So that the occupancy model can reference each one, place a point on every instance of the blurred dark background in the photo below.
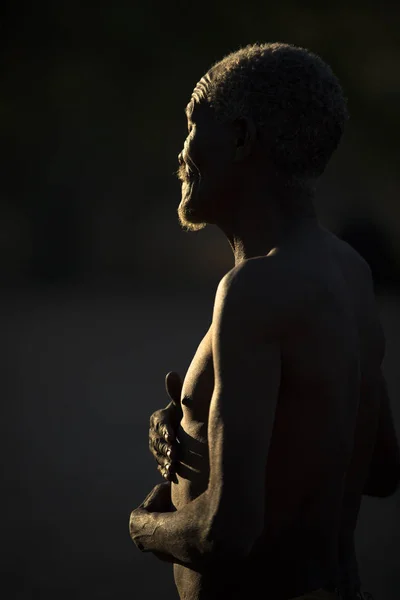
(101, 292)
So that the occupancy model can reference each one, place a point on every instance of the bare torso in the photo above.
(322, 371)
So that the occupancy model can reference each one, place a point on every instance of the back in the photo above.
(372, 347)
(325, 423)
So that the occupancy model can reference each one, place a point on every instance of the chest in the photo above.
(198, 387)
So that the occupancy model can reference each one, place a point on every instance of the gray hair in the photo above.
(293, 97)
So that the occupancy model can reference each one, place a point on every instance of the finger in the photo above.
(164, 459)
(173, 385)
(167, 464)
(172, 452)
(154, 420)
(158, 445)
(165, 472)
(161, 424)
(162, 462)
(168, 432)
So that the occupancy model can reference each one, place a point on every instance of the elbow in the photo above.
(382, 492)
(231, 543)
(383, 487)
(229, 550)
(389, 489)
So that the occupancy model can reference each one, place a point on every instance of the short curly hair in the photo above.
(294, 98)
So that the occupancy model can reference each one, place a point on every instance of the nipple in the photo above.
(185, 401)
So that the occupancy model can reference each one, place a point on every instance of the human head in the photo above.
(275, 108)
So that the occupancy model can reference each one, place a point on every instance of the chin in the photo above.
(190, 217)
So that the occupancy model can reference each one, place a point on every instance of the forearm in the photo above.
(182, 535)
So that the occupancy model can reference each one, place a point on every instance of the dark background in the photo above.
(101, 292)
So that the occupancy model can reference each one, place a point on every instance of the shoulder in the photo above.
(256, 291)
(350, 253)
(264, 278)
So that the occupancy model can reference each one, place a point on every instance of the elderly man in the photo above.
(278, 414)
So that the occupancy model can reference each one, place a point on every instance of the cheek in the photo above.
(215, 186)
(211, 164)
(202, 152)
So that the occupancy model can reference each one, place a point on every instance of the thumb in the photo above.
(173, 385)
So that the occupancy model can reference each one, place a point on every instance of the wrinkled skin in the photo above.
(158, 500)
(217, 166)
(164, 447)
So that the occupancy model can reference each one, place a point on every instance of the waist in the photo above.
(255, 577)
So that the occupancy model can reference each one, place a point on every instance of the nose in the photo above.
(180, 159)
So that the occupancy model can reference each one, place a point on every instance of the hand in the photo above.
(164, 424)
(141, 528)
(159, 499)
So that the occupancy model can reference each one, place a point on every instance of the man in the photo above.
(279, 410)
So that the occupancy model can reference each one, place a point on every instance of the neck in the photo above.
(257, 231)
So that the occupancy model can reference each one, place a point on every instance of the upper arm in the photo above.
(247, 370)
(384, 469)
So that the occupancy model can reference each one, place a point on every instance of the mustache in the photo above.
(186, 170)
(181, 173)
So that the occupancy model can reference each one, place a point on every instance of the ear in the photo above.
(245, 137)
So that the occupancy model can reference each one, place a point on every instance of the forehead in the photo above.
(198, 106)
(189, 109)
(200, 112)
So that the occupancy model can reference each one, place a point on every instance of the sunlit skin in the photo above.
(280, 406)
